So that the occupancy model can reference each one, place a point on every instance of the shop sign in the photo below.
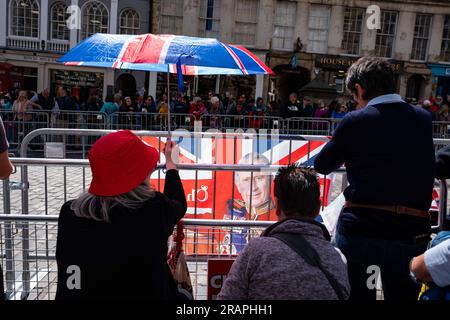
(40, 59)
(333, 62)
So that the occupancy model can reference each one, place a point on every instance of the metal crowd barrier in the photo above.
(441, 129)
(42, 192)
(19, 125)
(33, 276)
(26, 245)
(28, 250)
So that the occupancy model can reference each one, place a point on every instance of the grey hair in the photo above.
(98, 208)
(252, 158)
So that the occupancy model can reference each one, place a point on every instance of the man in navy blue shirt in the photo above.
(387, 149)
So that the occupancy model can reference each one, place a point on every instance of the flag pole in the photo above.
(168, 99)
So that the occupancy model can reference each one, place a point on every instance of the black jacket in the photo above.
(389, 157)
(66, 104)
(46, 103)
(124, 259)
(291, 110)
(443, 163)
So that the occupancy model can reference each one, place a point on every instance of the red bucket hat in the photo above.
(120, 161)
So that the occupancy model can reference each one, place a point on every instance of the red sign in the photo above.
(217, 273)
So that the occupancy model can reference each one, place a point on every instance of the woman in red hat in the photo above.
(112, 240)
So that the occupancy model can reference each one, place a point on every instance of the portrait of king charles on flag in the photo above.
(255, 189)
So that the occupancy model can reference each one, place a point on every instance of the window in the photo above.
(319, 16)
(246, 22)
(353, 19)
(171, 17)
(421, 34)
(25, 18)
(385, 36)
(129, 22)
(445, 48)
(209, 19)
(94, 19)
(59, 18)
(285, 18)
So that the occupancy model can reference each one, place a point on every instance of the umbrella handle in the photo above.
(168, 100)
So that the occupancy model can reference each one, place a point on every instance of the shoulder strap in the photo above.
(299, 244)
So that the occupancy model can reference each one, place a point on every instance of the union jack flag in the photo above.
(215, 195)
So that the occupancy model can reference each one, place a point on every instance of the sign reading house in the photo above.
(332, 62)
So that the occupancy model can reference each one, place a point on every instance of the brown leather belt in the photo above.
(396, 209)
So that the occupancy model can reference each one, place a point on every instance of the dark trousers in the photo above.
(391, 256)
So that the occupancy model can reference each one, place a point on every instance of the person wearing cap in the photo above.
(112, 240)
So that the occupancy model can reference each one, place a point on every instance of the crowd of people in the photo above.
(382, 224)
(20, 102)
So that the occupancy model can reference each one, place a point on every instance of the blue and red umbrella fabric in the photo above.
(162, 53)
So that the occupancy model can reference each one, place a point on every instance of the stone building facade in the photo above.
(310, 42)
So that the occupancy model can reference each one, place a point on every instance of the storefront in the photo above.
(332, 71)
(440, 79)
(292, 72)
(17, 78)
(81, 85)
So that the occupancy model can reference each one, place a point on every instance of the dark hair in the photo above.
(298, 191)
(375, 75)
(109, 98)
(259, 100)
(92, 100)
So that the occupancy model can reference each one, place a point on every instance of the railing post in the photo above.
(25, 232)
(9, 246)
(443, 194)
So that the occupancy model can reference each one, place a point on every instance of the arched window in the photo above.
(25, 18)
(94, 19)
(59, 18)
(129, 22)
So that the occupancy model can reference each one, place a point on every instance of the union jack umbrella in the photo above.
(162, 53)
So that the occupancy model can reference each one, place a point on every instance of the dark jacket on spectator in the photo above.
(307, 111)
(66, 104)
(126, 258)
(388, 153)
(291, 110)
(268, 269)
(443, 163)
(181, 107)
(46, 103)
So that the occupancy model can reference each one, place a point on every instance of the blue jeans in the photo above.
(391, 256)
